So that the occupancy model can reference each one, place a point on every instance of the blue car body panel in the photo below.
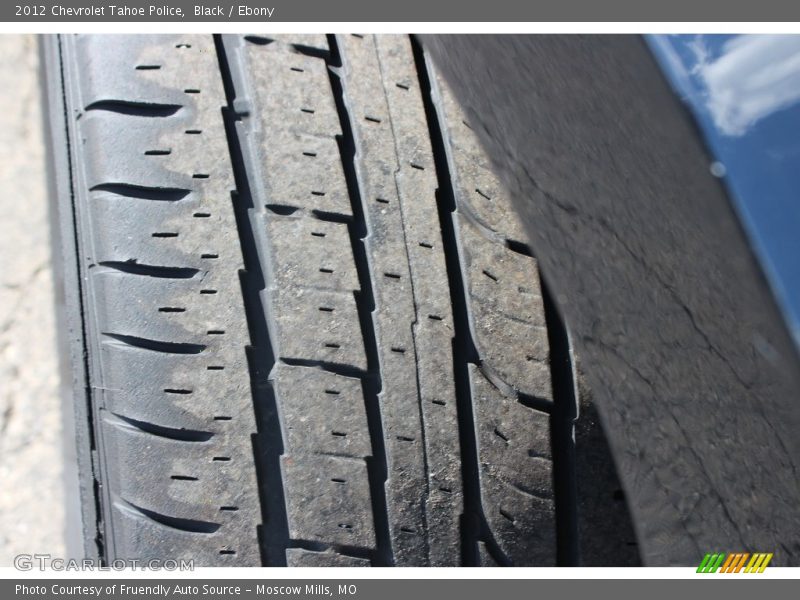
(744, 92)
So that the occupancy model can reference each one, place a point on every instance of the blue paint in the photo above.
(745, 94)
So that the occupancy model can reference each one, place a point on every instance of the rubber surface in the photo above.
(690, 363)
(314, 332)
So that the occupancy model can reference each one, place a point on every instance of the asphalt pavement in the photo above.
(32, 450)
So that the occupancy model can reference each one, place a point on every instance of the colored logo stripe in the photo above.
(734, 562)
(758, 563)
(726, 566)
(710, 563)
(704, 563)
(741, 562)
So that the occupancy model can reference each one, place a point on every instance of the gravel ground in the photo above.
(32, 490)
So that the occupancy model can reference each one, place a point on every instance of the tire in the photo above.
(694, 368)
(307, 329)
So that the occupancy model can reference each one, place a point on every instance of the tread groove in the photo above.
(274, 531)
(141, 192)
(187, 525)
(98, 537)
(365, 300)
(133, 267)
(156, 345)
(330, 310)
(463, 346)
(172, 433)
(137, 109)
(565, 412)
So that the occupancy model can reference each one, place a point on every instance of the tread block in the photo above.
(152, 196)
(507, 327)
(328, 500)
(311, 253)
(176, 390)
(138, 151)
(478, 190)
(304, 332)
(182, 478)
(142, 537)
(507, 317)
(506, 280)
(323, 413)
(176, 63)
(293, 128)
(297, 557)
(290, 132)
(433, 327)
(397, 184)
(481, 196)
(169, 309)
(296, 89)
(515, 474)
(128, 230)
(304, 172)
